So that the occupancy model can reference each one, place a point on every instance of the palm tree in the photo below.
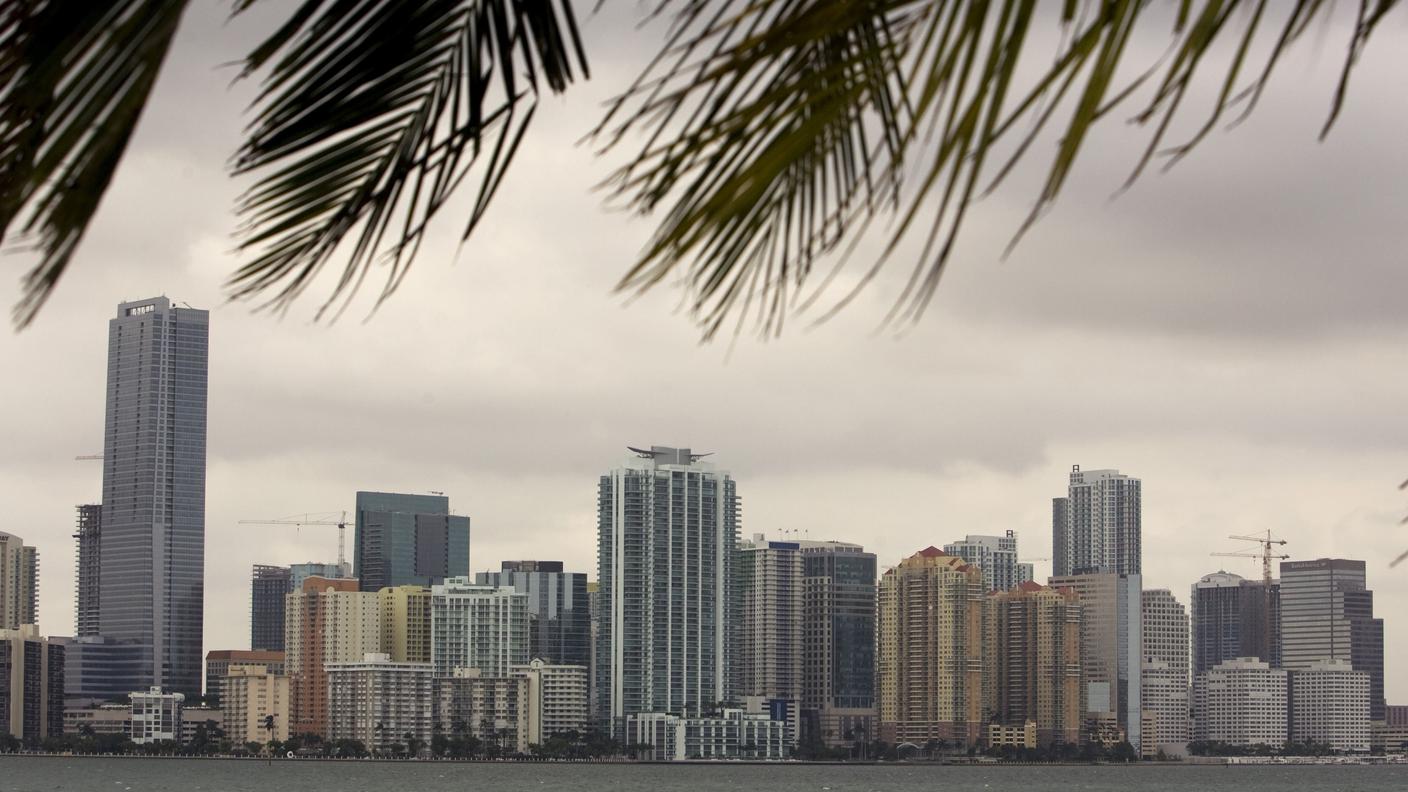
(770, 135)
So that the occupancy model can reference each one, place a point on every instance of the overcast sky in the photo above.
(1232, 332)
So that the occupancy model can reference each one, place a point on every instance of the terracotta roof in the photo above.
(931, 552)
(1030, 585)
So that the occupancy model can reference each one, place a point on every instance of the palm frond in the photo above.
(778, 131)
(371, 114)
(74, 78)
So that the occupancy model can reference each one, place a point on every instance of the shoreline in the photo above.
(1238, 761)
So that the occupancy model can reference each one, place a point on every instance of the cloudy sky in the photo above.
(1233, 332)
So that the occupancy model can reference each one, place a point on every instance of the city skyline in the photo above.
(1221, 384)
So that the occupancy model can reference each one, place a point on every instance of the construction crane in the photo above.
(310, 519)
(86, 457)
(1265, 554)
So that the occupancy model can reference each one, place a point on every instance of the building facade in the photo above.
(667, 537)
(19, 582)
(381, 703)
(838, 643)
(1327, 613)
(31, 684)
(268, 587)
(1098, 526)
(492, 709)
(408, 540)
(152, 544)
(996, 556)
(1230, 620)
(1241, 702)
(405, 623)
(483, 627)
(1330, 705)
(559, 614)
(1032, 662)
(733, 734)
(219, 662)
(87, 537)
(557, 699)
(156, 716)
(929, 650)
(255, 702)
(1164, 678)
(1111, 648)
(771, 651)
(328, 621)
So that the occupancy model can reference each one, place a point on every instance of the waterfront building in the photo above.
(483, 627)
(152, 543)
(1032, 663)
(405, 623)
(31, 684)
(929, 650)
(769, 660)
(594, 608)
(219, 662)
(557, 699)
(328, 621)
(1229, 620)
(1241, 702)
(98, 719)
(1111, 648)
(87, 536)
(559, 617)
(996, 556)
(380, 702)
(255, 703)
(838, 638)
(1327, 613)
(1017, 735)
(667, 536)
(19, 582)
(1164, 680)
(733, 734)
(156, 716)
(408, 539)
(1390, 735)
(268, 586)
(198, 719)
(1330, 705)
(1097, 527)
(493, 709)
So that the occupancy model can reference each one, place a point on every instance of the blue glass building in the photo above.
(408, 540)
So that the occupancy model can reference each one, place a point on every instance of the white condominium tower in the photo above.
(1096, 527)
(996, 556)
(667, 535)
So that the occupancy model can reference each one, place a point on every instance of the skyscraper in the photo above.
(1229, 621)
(838, 638)
(1097, 526)
(929, 650)
(329, 621)
(770, 645)
(1032, 660)
(667, 536)
(152, 566)
(996, 556)
(409, 539)
(19, 582)
(558, 612)
(1164, 677)
(1111, 646)
(477, 627)
(1327, 613)
(268, 586)
(87, 557)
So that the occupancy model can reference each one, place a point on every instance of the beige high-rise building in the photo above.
(493, 709)
(770, 646)
(557, 699)
(19, 582)
(405, 623)
(327, 621)
(251, 694)
(929, 650)
(1033, 661)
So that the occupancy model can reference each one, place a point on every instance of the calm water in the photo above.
(158, 775)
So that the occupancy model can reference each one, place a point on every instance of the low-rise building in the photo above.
(1023, 736)
(557, 699)
(1390, 735)
(493, 710)
(98, 719)
(256, 705)
(195, 720)
(1241, 702)
(380, 703)
(156, 716)
(1330, 705)
(734, 734)
(31, 684)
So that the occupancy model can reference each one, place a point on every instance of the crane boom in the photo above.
(341, 531)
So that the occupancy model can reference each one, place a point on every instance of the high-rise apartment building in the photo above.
(838, 640)
(770, 624)
(405, 623)
(220, 662)
(557, 699)
(255, 702)
(1032, 661)
(19, 582)
(1111, 647)
(667, 538)
(268, 586)
(1330, 705)
(1327, 613)
(408, 539)
(152, 556)
(559, 615)
(929, 650)
(380, 703)
(1229, 620)
(31, 684)
(1241, 702)
(328, 621)
(492, 709)
(1164, 680)
(996, 556)
(483, 627)
(1097, 526)
(87, 552)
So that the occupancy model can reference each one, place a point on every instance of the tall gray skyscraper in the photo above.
(268, 585)
(996, 556)
(667, 536)
(409, 540)
(1327, 613)
(1096, 527)
(87, 555)
(838, 639)
(559, 616)
(152, 565)
(770, 646)
(1229, 621)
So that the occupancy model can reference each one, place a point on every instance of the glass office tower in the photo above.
(409, 540)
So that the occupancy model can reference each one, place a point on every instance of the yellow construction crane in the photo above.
(1265, 554)
(314, 519)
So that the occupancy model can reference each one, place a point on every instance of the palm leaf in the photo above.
(371, 114)
(74, 78)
